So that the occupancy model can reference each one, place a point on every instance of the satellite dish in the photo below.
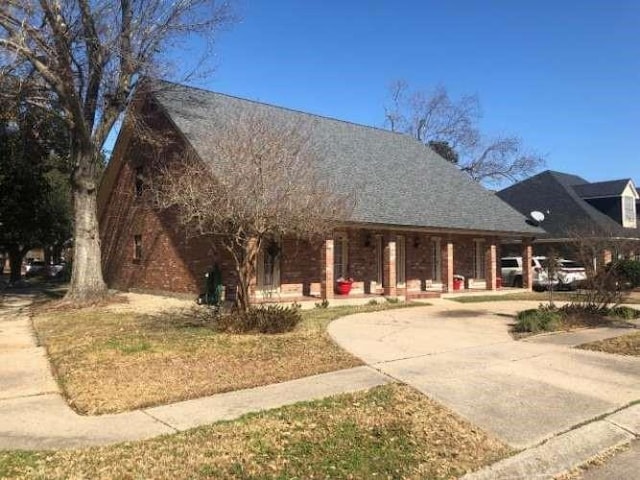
(537, 216)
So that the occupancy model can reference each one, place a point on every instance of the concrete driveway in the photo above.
(463, 356)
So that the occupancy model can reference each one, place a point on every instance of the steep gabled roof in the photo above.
(397, 180)
(556, 194)
(612, 188)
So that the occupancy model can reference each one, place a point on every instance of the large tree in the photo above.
(266, 187)
(34, 182)
(450, 127)
(89, 56)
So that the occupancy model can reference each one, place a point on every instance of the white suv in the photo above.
(568, 276)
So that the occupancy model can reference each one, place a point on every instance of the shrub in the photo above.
(626, 313)
(627, 272)
(538, 320)
(270, 319)
(392, 299)
(323, 304)
(373, 301)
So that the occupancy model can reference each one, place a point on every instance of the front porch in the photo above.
(380, 263)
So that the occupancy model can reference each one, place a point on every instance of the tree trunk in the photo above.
(15, 263)
(87, 282)
(246, 273)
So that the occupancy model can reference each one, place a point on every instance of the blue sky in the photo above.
(563, 75)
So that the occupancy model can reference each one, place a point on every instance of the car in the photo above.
(568, 276)
(34, 268)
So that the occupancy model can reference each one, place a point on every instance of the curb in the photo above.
(567, 451)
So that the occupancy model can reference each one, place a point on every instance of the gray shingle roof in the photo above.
(611, 188)
(556, 195)
(397, 180)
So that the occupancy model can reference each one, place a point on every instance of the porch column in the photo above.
(326, 282)
(491, 264)
(447, 265)
(527, 257)
(389, 278)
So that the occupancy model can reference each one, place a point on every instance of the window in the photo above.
(478, 259)
(401, 260)
(509, 263)
(139, 181)
(436, 260)
(628, 212)
(379, 260)
(341, 257)
(137, 247)
(269, 265)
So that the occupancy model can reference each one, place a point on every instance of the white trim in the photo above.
(401, 261)
(436, 259)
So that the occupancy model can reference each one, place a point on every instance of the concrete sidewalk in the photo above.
(33, 414)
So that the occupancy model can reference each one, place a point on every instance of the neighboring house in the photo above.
(574, 207)
(418, 220)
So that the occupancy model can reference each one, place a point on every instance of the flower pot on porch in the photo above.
(343, 287)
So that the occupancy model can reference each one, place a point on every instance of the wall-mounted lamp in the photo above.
(416, 242)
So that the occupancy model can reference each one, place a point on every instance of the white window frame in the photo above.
(401, 260)
(436, 259)
(479, 269)
(379, 260)
(262, 285)
(340, 245)
(629, 218)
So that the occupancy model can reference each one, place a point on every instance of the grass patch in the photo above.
(387, 432)
(623, 345)
(110, 362)
(548, 318)
(524, 296)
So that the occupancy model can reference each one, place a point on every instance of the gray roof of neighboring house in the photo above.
(566, 212)
(396, 179)
(612, 188)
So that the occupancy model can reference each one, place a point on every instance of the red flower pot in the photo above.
(343, 288)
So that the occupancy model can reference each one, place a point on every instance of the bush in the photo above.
(626, 313)
(271, 319)
(538, 320)
(627, 272)
(323, 304)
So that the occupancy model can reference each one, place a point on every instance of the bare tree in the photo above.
(89, 55)
(269, 189)
(603, 286)
(451, 129)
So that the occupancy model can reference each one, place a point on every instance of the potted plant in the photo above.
(343, 285)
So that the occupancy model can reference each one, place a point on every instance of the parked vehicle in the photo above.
(34, 268)
(568, 276)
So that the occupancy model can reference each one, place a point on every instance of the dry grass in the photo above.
(624, 345)
(111, 361)
(542, 297)
(387, 432)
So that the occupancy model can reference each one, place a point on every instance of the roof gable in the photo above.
(396, 179)
(558, 195)
(613, 188)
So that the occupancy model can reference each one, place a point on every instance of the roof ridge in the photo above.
(293, 110)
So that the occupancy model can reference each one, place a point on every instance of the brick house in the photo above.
(573, 206)
(418, 220)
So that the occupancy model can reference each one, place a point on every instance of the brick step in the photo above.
(419, 295)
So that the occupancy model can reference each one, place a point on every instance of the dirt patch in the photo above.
(623, 345)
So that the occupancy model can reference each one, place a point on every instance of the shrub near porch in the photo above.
(109, 361)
